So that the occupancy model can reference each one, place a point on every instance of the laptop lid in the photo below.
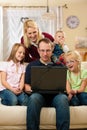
(48, 79)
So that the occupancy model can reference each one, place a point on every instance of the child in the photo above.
(76, 79)
(12, 78)
(59, 46)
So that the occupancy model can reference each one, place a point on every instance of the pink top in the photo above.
(13, 76)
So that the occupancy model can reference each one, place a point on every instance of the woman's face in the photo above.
(32, 34)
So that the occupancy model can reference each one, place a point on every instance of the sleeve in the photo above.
(65, 48)
(84, 74)
(49, 36)
(22, 40)
(28, 74)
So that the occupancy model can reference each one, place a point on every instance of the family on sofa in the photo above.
(13, 91)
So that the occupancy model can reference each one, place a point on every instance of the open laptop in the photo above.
(45, 79)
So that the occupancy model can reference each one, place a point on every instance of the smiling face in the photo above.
(20, 54)
(32, 34)
(72, 64)
(45, 48)
(59, 37)
(73, 61)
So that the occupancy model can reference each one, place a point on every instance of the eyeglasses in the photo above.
(47, 51)
(70, 62)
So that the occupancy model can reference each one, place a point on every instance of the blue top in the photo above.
(57, 50)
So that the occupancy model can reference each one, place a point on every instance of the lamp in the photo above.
(48, 15)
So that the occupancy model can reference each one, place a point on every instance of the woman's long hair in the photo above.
(30, 23)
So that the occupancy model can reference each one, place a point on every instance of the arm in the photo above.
(7, 85)
(83, 86)
(4, 81)
(22, 82)
(28, 79)
(28, 88)
(70, 92)
(65, 48)
(68, 89)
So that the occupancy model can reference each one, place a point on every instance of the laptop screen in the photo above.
(47, 79)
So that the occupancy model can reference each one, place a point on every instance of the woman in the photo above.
(32, 35)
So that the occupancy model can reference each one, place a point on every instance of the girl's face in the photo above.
(32, 34)
(72, 64)
(20, 54)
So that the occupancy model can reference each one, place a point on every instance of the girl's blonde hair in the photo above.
(75, 56)
(27, 24)
(13, 52)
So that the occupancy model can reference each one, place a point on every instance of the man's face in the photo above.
(45, 52)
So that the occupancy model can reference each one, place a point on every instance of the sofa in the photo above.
(14, 117)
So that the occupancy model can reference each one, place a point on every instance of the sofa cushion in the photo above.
(12, 115)
(15, 117)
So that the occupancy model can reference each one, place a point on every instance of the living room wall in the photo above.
(79, 10)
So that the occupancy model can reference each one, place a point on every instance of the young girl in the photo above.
(12, 78)
(76, 79)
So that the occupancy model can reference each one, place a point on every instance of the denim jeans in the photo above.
(37, 101)
(79, 99)
(10, 99)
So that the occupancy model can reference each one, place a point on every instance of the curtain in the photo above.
(1, 34)
(13, 18)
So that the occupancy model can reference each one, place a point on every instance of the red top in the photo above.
(31, 53)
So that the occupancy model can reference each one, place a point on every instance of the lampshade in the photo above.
(48, 15)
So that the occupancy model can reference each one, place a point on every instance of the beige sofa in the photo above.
(14, 117)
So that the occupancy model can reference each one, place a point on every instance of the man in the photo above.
(37, 100)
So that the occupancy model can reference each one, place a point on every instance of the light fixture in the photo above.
(48, 15)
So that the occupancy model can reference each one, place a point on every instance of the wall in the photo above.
(79, 10)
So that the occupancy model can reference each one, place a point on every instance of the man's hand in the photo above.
(28, 88)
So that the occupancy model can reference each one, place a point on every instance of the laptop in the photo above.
(45, 79)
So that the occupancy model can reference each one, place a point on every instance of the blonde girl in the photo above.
(76, 85)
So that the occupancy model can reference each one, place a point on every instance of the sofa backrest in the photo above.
(84, 65)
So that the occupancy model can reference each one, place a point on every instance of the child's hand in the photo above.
(16, 90)
(73, 92)
(61, 42)
(70, 96)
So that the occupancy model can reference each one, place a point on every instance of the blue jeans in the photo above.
(10, 99)
(37, 101)
(79, 99)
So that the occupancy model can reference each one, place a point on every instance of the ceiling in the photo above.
(39, 2)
